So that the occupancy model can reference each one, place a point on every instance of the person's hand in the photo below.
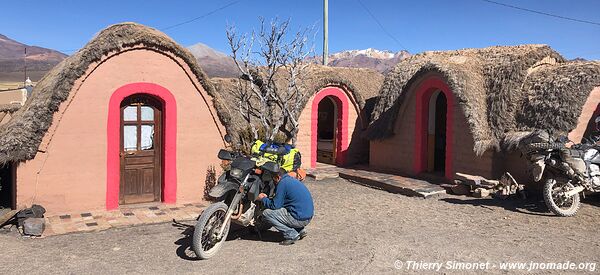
(261, 196)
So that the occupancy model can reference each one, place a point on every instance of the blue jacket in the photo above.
(292, 195)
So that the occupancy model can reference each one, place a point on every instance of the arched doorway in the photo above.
(141, 149)
(168, 137)
(434, 128)
(327, 130)
(436, 138)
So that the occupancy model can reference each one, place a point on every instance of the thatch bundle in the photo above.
(361, 83)
(21, 136)
(490, 86)
(555, 96)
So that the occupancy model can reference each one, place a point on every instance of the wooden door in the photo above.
(141, 151)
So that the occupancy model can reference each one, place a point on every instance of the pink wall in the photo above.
(70, 174)
(587, 113)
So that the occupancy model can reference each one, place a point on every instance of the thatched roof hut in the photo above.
(363, 84)
(129, 118)
(500, 89)
(20, 138)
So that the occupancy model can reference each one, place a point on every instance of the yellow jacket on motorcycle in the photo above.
(290, 161)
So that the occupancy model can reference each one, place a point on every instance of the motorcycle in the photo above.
(566, 172)
(236, 193)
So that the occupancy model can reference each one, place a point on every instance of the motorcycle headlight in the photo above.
(236, 173)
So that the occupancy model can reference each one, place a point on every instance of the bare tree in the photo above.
(278, 59)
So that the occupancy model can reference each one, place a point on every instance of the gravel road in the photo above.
(356, 230)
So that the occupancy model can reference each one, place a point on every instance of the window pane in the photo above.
(130, 113)
(147, 113)
(129, 138)
(147, 137)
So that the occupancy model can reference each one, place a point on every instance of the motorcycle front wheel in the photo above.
(206, 242)
(557, 201)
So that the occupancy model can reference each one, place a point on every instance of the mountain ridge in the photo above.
(219, 64)
(13, 59)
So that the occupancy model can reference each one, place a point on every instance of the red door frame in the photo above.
(113, 171)
(423, 96)
(341, 101)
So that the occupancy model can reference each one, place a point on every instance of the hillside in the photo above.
(12, 60)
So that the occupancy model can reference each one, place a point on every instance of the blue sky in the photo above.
(414, 25)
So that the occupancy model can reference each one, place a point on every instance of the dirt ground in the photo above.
(355, 230)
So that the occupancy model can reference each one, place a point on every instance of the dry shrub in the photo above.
(210, 182)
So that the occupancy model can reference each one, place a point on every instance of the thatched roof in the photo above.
(361, 83)
(492, 86)
(21, 136)
(555, 96)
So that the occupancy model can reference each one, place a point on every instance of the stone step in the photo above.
(323, 171)
(321, 175)
(394, 184)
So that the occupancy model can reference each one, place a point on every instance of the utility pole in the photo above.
(25, 65)
(325, 33)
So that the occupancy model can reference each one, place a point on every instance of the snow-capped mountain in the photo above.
(379, 60)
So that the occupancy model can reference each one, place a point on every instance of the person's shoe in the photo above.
(302, 235)
(289, 241)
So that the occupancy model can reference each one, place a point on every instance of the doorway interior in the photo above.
(327, 130)
(8, 186)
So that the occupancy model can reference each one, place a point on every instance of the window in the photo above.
(138, 120)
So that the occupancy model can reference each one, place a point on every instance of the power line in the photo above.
(543, 13)
(201, 16)
(181, 23)
(381, 25)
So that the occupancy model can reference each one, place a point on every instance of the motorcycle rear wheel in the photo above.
(204, 242)
(558, 203)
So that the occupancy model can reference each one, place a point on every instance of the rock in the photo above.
(460, 189)
(481, 193)
(34, 226)
(476, 180)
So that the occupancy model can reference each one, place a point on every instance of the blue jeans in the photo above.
(284, 222)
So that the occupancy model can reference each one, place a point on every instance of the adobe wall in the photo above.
(586, 118)
(70, 174)
(464, 158)
(303, 142)
(397, 152)
(13, 96)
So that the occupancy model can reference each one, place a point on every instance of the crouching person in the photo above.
(290, 210)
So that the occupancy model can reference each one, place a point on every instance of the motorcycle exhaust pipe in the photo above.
(574, 191)
(239, 213)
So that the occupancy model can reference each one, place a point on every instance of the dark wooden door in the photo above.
(141, 150)
(440, 133)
